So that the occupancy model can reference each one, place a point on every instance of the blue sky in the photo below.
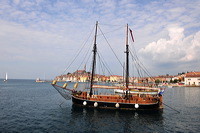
(39, 37)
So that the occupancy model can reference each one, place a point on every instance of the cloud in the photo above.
(178, 48)
(19, 43)
(52, 29)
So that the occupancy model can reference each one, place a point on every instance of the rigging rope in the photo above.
(112, 31)
(139, 63)
(101, 68)
(105, 65)
(146, 71)
(112, 25)
(84, 58)
(110, 47)
(77, 53)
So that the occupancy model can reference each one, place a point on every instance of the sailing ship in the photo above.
(129, 97)
(6, 78)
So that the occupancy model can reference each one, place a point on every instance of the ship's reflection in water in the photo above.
(95, 120)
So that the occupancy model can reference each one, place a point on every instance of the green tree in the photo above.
(157, 81)
(175, 80)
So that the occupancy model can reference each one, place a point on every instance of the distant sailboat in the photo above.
(6, 77)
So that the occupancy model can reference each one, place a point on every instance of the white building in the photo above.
(192, 78)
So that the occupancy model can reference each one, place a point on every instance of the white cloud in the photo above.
(21, 43)
(176, 34)
(16, 1)
(48, 28)
(177, 48)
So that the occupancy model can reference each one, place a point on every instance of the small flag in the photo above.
(131, 34)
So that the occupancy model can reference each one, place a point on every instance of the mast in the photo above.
(94, 60)
(127, 61)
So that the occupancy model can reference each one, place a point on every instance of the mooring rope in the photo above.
(61, 104)
(172, 108)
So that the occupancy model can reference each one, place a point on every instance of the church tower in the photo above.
(85, 67)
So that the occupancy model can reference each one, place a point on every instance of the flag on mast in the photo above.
(131, 34)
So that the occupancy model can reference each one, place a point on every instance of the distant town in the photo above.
(181, 79)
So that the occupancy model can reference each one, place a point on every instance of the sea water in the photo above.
(27, 106)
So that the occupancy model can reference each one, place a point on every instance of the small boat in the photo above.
(6, 78)
(38, 80)
(127, 97)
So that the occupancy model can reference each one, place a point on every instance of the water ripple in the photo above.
(27, 106)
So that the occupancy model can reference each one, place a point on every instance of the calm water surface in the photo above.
(26, 106)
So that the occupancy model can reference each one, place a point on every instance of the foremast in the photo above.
(94, 60)
(127, 62)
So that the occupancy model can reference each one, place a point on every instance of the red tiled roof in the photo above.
(80, 71)
(193, 74)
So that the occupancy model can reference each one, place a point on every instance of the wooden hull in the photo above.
(111, 101)
(112, 105)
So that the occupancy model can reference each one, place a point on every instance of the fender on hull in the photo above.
(112, 105)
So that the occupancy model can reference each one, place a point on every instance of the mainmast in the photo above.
(94, 60)
(127, 61)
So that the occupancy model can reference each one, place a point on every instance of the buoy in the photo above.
(95, 104)
(84, 103)
(136, 106)
(65, 85)
(117, 105)
(75, 85)
(54, 82)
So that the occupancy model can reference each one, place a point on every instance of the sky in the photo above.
(38, 38)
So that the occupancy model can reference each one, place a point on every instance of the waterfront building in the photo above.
(192, 78)
(116, 78)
